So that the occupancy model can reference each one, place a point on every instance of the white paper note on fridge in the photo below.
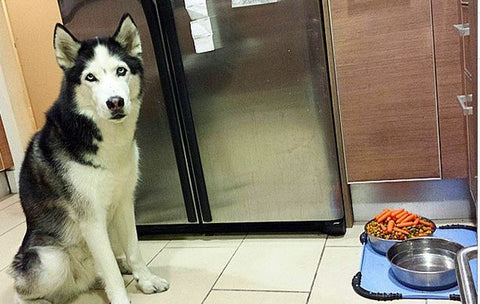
(202, 35)
(196, 9)
(243, 3)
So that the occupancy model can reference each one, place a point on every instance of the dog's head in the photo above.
(103, 74)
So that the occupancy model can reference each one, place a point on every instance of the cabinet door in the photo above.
(453, 138)
(471, 88)
(6, 161)
(386, 85)
(472, 137)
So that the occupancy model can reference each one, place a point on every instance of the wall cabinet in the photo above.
(398, 73)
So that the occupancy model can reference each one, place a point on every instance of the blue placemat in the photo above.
(376, 281)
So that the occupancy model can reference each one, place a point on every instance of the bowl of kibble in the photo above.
(393, 226)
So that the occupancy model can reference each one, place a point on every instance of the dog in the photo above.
(79, 174)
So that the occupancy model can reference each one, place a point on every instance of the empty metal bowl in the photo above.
(382, 245)
(424, 263)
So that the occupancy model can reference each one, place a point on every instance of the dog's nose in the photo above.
(115, 103)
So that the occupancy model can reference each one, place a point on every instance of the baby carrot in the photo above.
(390, 226)
(384, 217)
(381, 214)
(383, 227)
(397, 212)
(400, 219)
(402, 213)
(408, 218)
(405, 224)
(426, 223)
(422, 234)
(401, 230)
(415, 223)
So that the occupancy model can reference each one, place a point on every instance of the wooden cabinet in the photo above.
(6, 161)
(399, 70)
(448, 62)
(384, 56)
(468, 48)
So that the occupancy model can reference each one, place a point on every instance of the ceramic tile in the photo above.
(92, 297)
(10, 217)
(149, 250)
(11, 241)
(9, 200)
(281, 263)
(6, 288)
(190, 271)
(351, 237)
(206, 241)
(255, 297)
(333, 281)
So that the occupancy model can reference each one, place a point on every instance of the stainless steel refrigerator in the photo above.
(236, 128)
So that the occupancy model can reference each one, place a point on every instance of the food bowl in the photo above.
(425, 263)
(382, 245)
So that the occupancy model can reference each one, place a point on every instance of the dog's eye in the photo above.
(90, 77)
(121, 71)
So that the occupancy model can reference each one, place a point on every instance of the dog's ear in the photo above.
(66, 47)
(128, 36)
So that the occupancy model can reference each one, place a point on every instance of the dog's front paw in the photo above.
(152, 284)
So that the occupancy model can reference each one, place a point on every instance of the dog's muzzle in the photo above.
(115, 105)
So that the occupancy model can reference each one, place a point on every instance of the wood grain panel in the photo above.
(386, 85)
(6, 160)
(453, 137)
(471, 87)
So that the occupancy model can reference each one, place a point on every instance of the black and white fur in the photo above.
(79, 174)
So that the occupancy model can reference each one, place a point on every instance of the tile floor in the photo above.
(232, 269)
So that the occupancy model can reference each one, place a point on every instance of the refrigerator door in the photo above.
(261, 108)
(159, 193)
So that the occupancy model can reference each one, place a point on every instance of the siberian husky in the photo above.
(79, 174)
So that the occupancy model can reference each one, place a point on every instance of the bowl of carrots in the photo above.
(392, 226)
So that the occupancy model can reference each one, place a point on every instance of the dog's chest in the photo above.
(113, 175)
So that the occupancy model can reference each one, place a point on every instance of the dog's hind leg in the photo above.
(41, 274)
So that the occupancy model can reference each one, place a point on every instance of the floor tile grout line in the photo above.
(14, 202)
(10, 205)
(316, 270)
(11, 228)
(161, 249)
(148, 263)
(259, 290)
(223, 270)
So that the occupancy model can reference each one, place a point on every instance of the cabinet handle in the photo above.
(463, 29)
(462, 100)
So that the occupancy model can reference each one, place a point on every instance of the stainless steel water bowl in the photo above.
(382, 245)
(424, 263)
